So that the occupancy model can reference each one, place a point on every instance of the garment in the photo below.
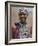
(21, 31)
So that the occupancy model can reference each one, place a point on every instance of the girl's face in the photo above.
(23, 18)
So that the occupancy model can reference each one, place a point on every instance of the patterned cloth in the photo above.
(21, 31)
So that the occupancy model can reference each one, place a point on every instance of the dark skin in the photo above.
(23, 18)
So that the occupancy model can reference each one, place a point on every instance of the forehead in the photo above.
(20, 14)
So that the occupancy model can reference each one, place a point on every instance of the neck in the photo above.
(23, 23)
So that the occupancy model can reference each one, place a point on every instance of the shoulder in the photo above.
(17, 24)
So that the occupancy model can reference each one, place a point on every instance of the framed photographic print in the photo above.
(20, 22)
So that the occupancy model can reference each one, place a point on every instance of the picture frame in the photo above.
(11, 10)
